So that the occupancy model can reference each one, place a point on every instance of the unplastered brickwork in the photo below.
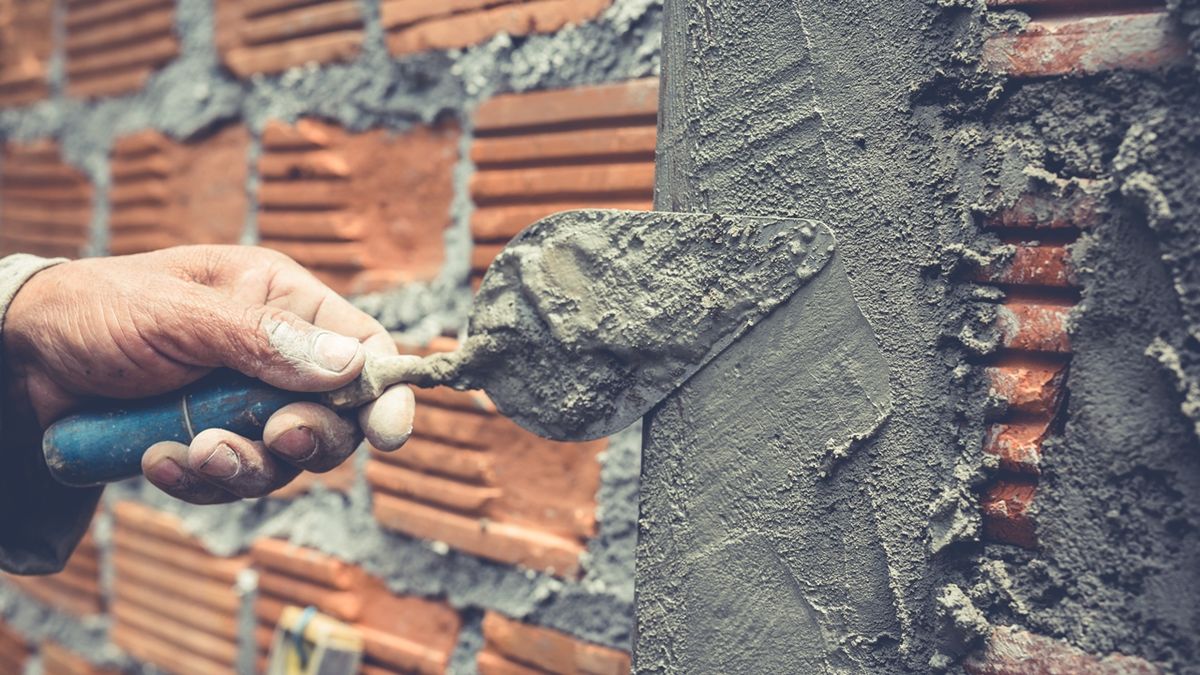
(26, 30)
(401, 634)
(474, 480)
(113, 46)
(359, 138)
(417, 26)
(542, 152)
(364, 211)
(268, 36)
(174, 604)
(166, 193)
(513, 648)
(45, 203)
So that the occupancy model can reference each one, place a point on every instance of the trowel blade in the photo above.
(589, 318)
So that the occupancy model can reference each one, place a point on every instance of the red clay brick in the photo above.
(58, 660)
(543, 152)
(1018, 445)
(361, 210)
(471, 478)
(1028, 387)
(174, 604)
(1005, 507)
(14, 650)
(45, 204)
(1034, 327)
(268, 37)
(416, 26)
(167, 193)
(25, 47)
(1012, 651)
(1076, 45)
(1033, 265)
(513, 647)
(76, 589)
(401, 634)
(1071, 205)
(113, 47)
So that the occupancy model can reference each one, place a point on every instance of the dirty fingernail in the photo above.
(297, 444)
(165, 472)
(222, 463)
(335, 352)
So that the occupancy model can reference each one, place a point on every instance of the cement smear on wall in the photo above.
(193, 95)
(877, 120)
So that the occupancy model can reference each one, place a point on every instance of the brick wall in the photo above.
(391, 149)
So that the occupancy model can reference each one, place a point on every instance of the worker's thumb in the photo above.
(275, 346)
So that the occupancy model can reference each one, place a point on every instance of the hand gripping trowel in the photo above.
(583, 323)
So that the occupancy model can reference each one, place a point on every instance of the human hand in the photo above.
(139, 325)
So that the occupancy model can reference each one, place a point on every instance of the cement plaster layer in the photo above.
(877, 120)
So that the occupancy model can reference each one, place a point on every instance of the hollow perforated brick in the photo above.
(174, 604)
(515, 648)
(471, 478)
(26, 43)
(45, 204)
(76, 589)
(401, 634)
(1011, 651)
(113, 46)
(419, 25)
(58, 660)
(268, 36)
(542, 152)
(361, 210)
(1073, 38)
(167, 193)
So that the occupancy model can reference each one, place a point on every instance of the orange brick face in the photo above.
(268, 36)
(76, 589)
(543, 152)
(167, 193)
(362, 210)
(174, 604)
(1011, 651)
(514, 648)
(1070, 38)
(417, 25)
(474, 480)
(14, 650)
(114, 45)
(401, 634)
(25, 47)
(45, 204)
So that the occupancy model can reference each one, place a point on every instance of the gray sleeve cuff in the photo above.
(42, 520)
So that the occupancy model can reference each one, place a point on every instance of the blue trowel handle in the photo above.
(106, 444)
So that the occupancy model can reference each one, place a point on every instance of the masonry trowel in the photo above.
(583, 323)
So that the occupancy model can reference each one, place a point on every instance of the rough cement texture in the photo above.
(192, 96)
(877, 120)
(589, 318)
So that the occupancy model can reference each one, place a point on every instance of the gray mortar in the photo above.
(193, 95)
(877, 120)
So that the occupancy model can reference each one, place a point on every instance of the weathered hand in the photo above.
(139, 325)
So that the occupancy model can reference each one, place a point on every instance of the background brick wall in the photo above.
(391, 148)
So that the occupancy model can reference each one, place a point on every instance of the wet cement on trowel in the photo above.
(878, 120)
(589, 318)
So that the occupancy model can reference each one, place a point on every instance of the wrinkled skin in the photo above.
(139, 325)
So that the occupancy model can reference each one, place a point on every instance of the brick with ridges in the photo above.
(45, 204)
(26, 44)
(113, 53)
(14, 650)
(268, 37)
(463, 24)
(336, 201)
(76, 589)
(513, 647)
(58, 660)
